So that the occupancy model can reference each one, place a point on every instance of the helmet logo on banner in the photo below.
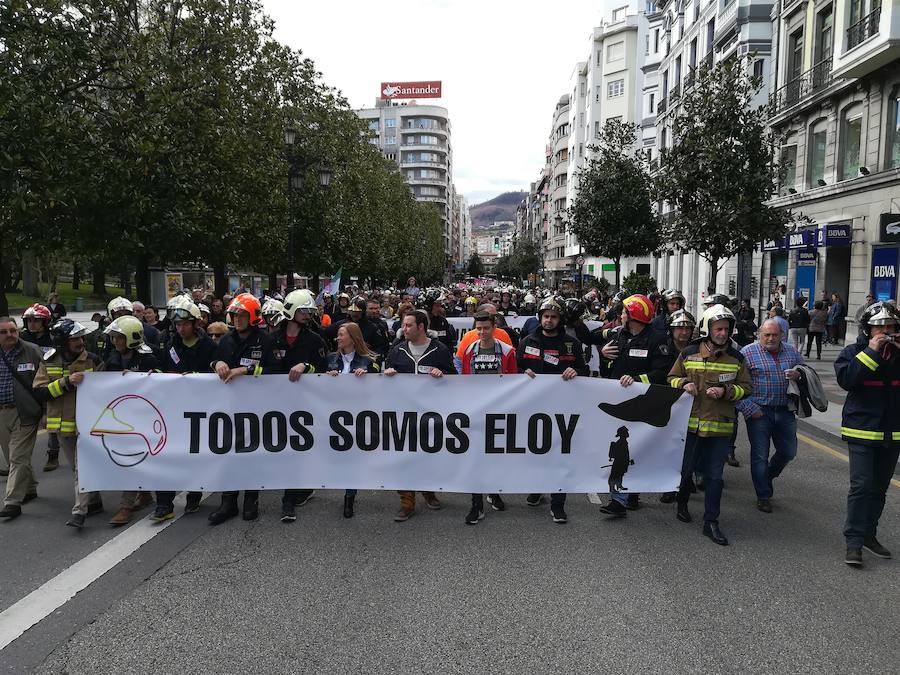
(130, 428)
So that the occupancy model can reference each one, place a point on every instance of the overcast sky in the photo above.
(503, 63)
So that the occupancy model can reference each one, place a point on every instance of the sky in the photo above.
(503, 63)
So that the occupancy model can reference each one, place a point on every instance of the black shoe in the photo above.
(348, 507)
(614, 508)
(14, 511)
(76, 520)
(667, 497)
(559, 514)
(870, 544)
(764, 505)
(163, 513)
(534, 500)
(496, 502)
(226, 511)
(94, 508)
(731, 460)
(682, 513)
(288, 514)
(29, 497)
(712, 531)
(853, 557)
(251, 509)
(771, 482)
(475, 514)
(633, 503)
(52, 461)
(4, 473)
(192, 505)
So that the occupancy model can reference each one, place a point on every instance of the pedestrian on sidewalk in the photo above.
(816, 329)
(836, 314)
(769, 421)
(869, 370)
(798, 321)
(870, 300)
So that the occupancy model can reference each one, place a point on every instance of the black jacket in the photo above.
(871, 413)
(178, 358)
(644, 356)
(446, 333)
(44, 341)
(133, 360)
(254, 352)
(375, 335)
(336, 362)
(551, 355)
(436, 355)
(308, 348)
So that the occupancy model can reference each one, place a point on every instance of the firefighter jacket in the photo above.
(871, 414)
(308, 347)
(712, 368)
(141, 360)
(550, 354)
(44, 341)
(253, 352)
(52, 385)
(644, 356)
(179, 358)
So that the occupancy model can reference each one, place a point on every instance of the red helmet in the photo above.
(639, 307)
(249, 303)
(37, 311)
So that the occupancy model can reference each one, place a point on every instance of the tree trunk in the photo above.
(29, 274)
(713, 273)
(273, 283)
(142, 277)
(98, 279)
(221, 280)
(315, 283)
(76, 277)
(618, 273)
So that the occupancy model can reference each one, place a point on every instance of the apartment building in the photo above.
(836, 114)
(556, 262)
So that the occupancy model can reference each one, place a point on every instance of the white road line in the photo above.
(594, 498)
(38, 604)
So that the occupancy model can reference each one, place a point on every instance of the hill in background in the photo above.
(501, 207)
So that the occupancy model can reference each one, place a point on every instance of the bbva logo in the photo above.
(131, 428)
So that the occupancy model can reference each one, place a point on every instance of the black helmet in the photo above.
(620, 297)
(672, 294)
(66, 329)
(431, 297)
(717, 299)
(357, 304)
(575, 310)
(551, 305)
(879, 314)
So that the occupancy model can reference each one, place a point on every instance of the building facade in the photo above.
(836, 114)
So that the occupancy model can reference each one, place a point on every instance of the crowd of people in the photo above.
(728, 365)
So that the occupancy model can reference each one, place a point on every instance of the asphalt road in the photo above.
(515, 593)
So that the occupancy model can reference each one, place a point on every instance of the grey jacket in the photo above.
(25, 367)
(805, 392)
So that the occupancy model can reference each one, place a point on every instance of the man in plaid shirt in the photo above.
(771, 363)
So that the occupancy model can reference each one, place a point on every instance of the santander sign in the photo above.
(391, 90)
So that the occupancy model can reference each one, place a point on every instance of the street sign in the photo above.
(579, 261)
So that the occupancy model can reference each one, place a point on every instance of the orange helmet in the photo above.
(250, 304)
(639, 308)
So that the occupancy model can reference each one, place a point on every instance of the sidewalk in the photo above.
(826, 424)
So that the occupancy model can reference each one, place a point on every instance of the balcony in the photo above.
(675, 92)
(863, 29)
(427, 181)
(690, 78)
(437, 131)
(707, 61)
(801, 88)
(421, 162)
(661, 106)
(423, 146)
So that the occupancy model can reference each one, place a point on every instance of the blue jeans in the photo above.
(871, 470)
(778, 428)
(707, 455)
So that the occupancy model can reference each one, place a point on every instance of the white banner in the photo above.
(479, 433)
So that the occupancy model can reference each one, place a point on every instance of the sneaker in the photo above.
(853, 557)
(614, 508)
(432, 502)
(121, 517)
(872, 546)
(534, 500)
(475, 514)
(288, 514)
(633, 503)
(764, 505)
(496, 502)
(559, 514)
(403, 515)
(163, 513)
(76, 520)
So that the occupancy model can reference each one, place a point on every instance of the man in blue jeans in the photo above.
(772, 362)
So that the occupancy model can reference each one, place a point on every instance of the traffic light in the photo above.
(732, 287)
(754, 287)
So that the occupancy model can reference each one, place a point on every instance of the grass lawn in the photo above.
(66, 296)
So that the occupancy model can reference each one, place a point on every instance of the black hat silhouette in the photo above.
(653, 407)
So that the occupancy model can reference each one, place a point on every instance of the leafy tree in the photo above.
(611, 213)
(474, 268)
(638, 283)
(525, 258)
(721, 169)
(504, 267)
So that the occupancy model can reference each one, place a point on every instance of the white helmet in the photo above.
(713, 314)
(529, 300)
(299, 299)
(273, 312)
(179, 302)
(185, 310)
(119, 304)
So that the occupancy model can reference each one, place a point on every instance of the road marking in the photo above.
(38, 604)
(834, 453)
(594, 498)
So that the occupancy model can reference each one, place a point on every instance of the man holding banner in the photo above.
(549, 351)
(417, 355)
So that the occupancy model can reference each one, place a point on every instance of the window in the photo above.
(581, 89)
(619, 14)
(849, 139)
(615, 88)
(597, 96)
(647, 47)
(656, 41)
(758, 68)
(599, 56)
(789, 165)
(581, 149)
(596, 129)
(580, 120)
(696, 10)
(390, 140)
(665, 83)
(892, 154)
(815, 154)
(615, 51)
(390, 123)
(795, 55)
(692, 54)
(652, 103)
(824, 35)
(373, 125)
